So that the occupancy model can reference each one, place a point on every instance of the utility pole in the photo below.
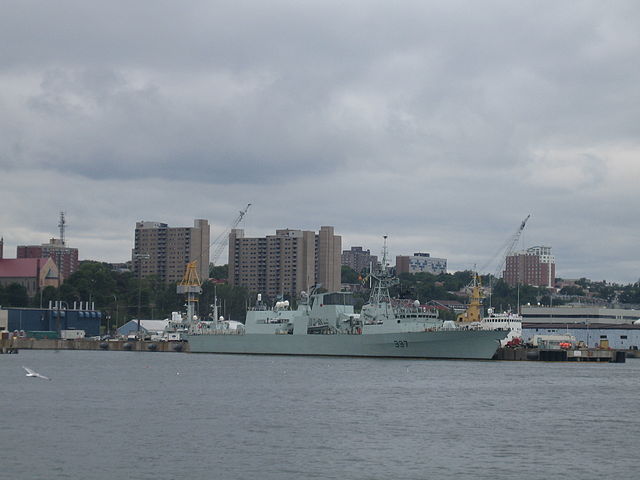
(116, 299)
(139, 257)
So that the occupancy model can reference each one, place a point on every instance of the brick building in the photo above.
(66, 258)
(32, 273)
(534, 266)
(358, 259)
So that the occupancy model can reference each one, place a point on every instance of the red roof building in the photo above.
(66, 258)
(32, 273)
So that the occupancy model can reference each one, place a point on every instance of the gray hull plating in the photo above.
(454, 344)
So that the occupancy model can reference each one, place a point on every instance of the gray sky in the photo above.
(441, 124)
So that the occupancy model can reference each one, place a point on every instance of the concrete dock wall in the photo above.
(82, 344)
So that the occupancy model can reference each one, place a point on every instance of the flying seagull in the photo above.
(31, 373)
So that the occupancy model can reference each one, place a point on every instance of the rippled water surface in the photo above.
(128, 415)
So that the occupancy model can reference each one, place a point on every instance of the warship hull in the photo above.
(443, 344)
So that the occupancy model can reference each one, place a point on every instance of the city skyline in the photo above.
(439, 124)
(518, 248)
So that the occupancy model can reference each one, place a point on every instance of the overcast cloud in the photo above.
(441, 124)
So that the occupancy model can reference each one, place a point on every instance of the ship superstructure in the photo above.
(326, 324)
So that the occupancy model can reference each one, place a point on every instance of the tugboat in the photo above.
(506, 321)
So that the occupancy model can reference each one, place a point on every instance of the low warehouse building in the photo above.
(45, 319)
(621, 336)
(147, 327)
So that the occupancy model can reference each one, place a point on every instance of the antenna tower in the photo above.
(61, 226)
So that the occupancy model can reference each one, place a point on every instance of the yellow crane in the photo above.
(191, 286)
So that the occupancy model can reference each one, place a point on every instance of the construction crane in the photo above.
(221, 240)
(506, 250)
(474, 311)
(191, 286)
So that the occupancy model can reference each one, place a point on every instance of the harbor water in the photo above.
(141, 415)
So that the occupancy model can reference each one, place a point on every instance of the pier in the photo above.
(13, 345)
(562, 355)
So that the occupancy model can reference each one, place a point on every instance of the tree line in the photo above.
(447, 286)
(122, 296)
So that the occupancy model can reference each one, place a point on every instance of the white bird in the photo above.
(31, 373)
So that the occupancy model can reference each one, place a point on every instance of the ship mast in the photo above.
(474, 311)
(382, 280)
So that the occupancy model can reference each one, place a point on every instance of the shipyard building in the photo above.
(567, 315)
(58, 317)
(286, 263)
(163, 251)
(595, 326)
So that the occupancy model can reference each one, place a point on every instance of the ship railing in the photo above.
(223, 332)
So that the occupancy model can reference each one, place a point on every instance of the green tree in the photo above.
(349, 275)
(572, 290)
(232, 300)
(219, 272)
(16, 295)
(49, 294)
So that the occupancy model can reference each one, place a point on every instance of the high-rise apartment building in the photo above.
(358, 259)
(163, 251)
(420, 263)
(534, 266)
(65, 258)
(286, 263)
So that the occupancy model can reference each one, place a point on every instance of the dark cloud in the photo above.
(441, 124)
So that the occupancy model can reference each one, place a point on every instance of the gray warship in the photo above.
(325, 324)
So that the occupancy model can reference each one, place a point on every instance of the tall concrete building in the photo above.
(358, 259)
(66, 258)
(419, 263)
(534, 266)
(286, 263)
(163, 251)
